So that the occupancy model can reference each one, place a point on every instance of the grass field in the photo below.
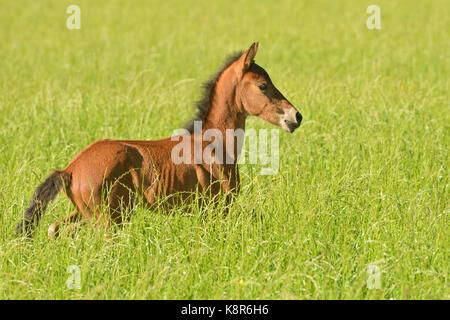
(362, 183)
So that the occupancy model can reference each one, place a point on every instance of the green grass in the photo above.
(364, 181)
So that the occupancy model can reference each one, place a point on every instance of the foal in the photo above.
(124, 167)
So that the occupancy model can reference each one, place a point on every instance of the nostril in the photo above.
(298, 117)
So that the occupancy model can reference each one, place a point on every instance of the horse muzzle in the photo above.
(291, 120)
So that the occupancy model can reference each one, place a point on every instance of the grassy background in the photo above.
(363, 182)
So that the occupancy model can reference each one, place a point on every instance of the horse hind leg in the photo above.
(115, 210)
(73, 218)
(100, 208)
(121, 204)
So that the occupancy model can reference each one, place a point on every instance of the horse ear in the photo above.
(247, 58)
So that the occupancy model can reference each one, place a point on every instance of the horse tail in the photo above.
(46, 192)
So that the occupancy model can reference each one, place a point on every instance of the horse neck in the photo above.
(225, 111)
(225, 114)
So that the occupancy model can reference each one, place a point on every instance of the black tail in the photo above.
(46, 192)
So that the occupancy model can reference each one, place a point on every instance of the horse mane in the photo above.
(209, 88)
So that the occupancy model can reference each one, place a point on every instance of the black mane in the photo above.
(204, 104)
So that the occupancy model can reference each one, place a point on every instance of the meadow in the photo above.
(362, 187)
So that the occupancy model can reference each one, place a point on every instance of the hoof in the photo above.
(53, 231)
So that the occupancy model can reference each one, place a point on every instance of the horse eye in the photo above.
(263, 86)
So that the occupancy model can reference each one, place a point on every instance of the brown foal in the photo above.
(127, 167)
